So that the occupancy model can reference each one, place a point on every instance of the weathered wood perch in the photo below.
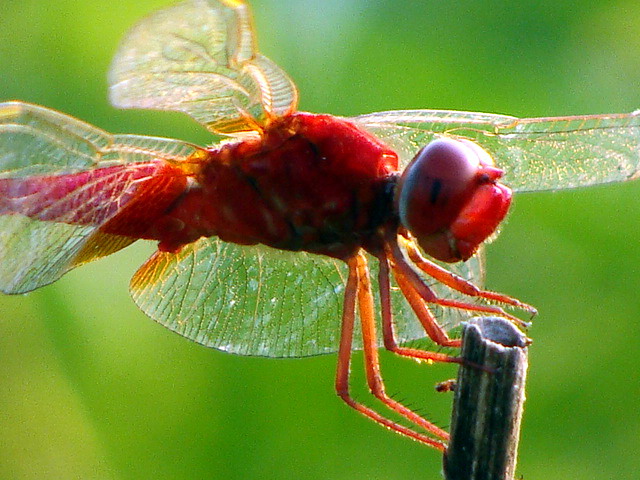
(489, 397)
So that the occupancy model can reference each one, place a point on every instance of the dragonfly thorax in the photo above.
(315, 183)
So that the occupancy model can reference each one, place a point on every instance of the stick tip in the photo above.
(501, 331)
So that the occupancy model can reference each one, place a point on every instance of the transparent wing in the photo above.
(257, 300)
(535, 153)
(64, 186)
(245, 300)
(199, 57)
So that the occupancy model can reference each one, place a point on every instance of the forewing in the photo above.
(62, 182)
(535, 153)
(199, 57)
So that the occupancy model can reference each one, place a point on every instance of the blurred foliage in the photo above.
(91, 389)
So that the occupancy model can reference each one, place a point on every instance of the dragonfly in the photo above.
(297, 234)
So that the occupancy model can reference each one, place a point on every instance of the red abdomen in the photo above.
(121, 199)
(310, 182)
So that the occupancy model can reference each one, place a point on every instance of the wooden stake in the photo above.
(489, 397)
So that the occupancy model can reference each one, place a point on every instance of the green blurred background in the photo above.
(92, 389)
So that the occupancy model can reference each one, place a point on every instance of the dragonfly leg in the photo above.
(456, 282)
(388, 334)
(358, 268)
(417, 292)
(418, 304)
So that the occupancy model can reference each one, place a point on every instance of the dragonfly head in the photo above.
(449, 198)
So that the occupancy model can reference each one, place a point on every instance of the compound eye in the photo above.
(440, 183)
(435, 185)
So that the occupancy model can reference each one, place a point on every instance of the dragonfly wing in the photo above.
(63, 184)
(255, 300)
(34, 254)
(245, 300)
(535, 153)
(199, 57)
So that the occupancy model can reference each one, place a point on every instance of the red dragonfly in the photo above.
(315, 206)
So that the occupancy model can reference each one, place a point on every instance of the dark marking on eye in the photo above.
(435, 191)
